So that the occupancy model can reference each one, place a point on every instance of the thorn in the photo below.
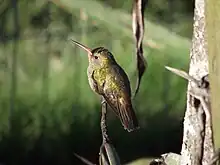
(84, 160)
(182, 74)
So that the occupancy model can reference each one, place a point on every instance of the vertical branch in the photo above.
(103, 121)
(108, 154)
(14, 63)
(197, 146)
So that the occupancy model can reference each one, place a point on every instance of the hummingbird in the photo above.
(109, 80)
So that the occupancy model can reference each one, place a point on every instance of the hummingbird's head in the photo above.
(102, 57)
(99, 57)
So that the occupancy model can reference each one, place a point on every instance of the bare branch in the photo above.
(107, 154)
(103, 121)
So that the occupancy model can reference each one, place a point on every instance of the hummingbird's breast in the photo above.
(97, 78)
(110, 78)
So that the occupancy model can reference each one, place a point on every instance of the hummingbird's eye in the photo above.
(96, 57)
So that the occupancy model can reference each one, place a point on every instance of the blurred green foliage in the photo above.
(176, 15)
(55, 112)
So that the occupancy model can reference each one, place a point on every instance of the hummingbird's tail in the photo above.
(124, 110)
(128, 118)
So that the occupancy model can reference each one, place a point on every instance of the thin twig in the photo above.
(103, 120)
(107, 154)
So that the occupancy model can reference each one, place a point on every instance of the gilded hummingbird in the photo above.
(109, 80)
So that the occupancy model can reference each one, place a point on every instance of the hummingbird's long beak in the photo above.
(89, 51)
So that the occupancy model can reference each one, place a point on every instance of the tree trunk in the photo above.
(197, 146)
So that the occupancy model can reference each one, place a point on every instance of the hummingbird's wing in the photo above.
(117, 93)
(124, 111)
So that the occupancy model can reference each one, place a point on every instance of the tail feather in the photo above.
(125, 112)
(128, 117)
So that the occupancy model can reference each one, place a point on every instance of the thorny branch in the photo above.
(201, 92)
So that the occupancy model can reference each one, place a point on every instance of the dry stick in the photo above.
(103, 121)
(108, 154)
(103, 156)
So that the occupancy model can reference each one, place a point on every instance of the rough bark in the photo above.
(197, 146)
(213, 25)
